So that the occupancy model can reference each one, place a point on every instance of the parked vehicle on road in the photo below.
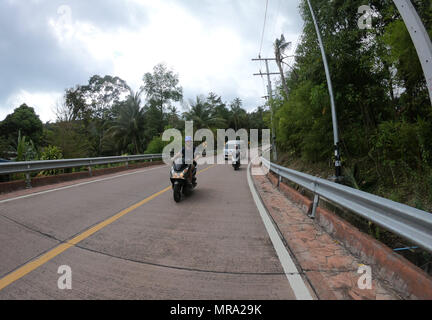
(230, 148)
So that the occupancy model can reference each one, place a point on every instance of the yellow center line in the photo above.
(29, 267)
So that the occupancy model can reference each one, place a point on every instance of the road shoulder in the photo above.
(329, 267)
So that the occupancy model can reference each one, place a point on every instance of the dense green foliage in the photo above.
(383, 108)
(156, 146)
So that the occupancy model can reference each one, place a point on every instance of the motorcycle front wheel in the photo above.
(177, 193)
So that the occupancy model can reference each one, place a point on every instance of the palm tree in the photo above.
(218, 109)
(238, 114)
(200, 114)
(280, 46)
(128, 127)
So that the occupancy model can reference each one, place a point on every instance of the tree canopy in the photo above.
(24, 120)
(161, 88)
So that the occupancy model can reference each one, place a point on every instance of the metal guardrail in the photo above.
(410, 223)
(28, 167)
(37, 166)
(34, 166)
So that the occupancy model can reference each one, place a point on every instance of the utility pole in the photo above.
(338, 165)
(270, 98)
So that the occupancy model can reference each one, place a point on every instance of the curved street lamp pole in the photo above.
(420, 38)
(338, 164)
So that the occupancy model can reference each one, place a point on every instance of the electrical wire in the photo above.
(265, 22)
(262, 41)
(275, 18)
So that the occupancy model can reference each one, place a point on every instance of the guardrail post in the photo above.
(28, 181)
(279, 181)
(90, 169)
(315, 206)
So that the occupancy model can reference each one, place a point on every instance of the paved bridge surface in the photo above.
(124, 237)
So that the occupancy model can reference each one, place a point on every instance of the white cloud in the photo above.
(208, 56)
(43, 102)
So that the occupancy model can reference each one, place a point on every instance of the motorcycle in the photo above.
(181, 179)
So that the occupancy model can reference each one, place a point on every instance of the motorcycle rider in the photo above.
(236, 156)
(189, 157)
(237, 153)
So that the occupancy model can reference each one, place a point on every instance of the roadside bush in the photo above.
(156, 146)
(51, 153)
(396, 148)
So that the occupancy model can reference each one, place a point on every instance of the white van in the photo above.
(230, 148)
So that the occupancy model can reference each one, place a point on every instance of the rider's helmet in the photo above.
(188, 140)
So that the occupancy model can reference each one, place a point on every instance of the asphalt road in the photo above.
(212, 245)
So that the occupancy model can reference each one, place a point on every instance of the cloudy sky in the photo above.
(47, 46)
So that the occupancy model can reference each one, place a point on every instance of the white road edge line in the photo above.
(295, 280)
(78, 185)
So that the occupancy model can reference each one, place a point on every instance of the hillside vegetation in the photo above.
(383, 107)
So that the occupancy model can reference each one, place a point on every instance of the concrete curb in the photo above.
(301, 289)
(407, 279)
(6, 187)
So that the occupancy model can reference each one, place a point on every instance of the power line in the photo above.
(265, 22)
(275, 18)
(262, 40)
